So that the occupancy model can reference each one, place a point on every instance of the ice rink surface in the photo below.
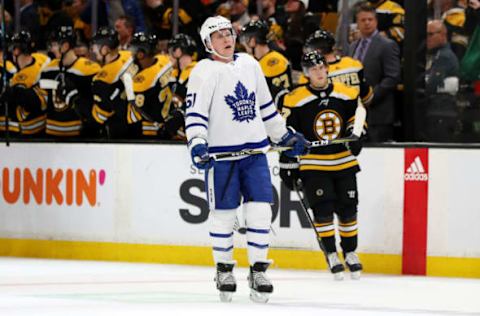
(90, 288)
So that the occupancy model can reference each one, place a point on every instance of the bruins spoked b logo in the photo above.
(328, 125)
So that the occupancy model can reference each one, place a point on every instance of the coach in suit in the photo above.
(381, 61)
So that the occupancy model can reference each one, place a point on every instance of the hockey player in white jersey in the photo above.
(229, 109)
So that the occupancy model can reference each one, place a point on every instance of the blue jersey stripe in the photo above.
(198, 115)
(270, 116)
(258, 231)
(223, 249)
(266, 105)
(221, 235)
(195, 124)
(220, 149)
(260, 246)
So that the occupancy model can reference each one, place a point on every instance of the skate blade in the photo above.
(338, 276)
(258, 297)
(355, 275)
(226, 297)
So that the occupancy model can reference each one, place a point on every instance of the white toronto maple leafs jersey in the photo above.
(230, 106)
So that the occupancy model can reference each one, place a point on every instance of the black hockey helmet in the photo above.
(257, 29)
(185, 42)
(311, 59)
(144, 42)
(106, 36)
(320, 40)
(23, 41)
(65, 34)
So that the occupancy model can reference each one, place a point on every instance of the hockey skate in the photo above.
(353, 264)
(260, 286)
(226, 283)
(335, 265)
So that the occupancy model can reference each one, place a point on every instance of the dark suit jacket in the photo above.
(381, 66)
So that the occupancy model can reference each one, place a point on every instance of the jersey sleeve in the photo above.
(274, 123)
(201, 87)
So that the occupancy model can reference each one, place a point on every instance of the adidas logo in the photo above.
(416, 171)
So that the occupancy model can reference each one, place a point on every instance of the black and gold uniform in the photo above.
(277, 71)
(276, 67)
(12, 118)
(153, 97)
(348, 71)
(109, 99)
(328, 173)
(26, 97)
(70, 104)
(68, 81)
(390, 17)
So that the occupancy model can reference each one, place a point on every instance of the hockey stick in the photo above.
(305, 208)
(4, 73)
(247, 152)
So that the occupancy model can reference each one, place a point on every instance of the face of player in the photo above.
(318, 76)
(54, 48)
(223, 42)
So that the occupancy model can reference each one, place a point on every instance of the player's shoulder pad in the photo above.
(390, 7)
(273, 64)
(53, 65)
(186, 72)
(159, 72)
(30, 75)
(84, 67)
(10, 67)
(42, 59)
(203, 69)
(455, 17)
(344, 92)
(347, 61)
(111, 73)
(298, 97)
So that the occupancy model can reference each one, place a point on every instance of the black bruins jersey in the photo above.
(12, 119)
(178, 83)
(70, 103)
(28, 100)
(348, 71)
(390, 17)
(109, 99)
(276, 69)
(323, 115)
(153, 97)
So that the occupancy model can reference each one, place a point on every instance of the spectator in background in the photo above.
(294, 34)
(125, 27)
(441, 80)
(239, 13)
(133, 9)
(381, 59)
(270, 11)
(30, 20)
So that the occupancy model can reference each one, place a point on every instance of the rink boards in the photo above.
(418, 210)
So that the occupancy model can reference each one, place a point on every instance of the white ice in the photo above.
(90, 288)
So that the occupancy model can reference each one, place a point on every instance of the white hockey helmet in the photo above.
(212, 25)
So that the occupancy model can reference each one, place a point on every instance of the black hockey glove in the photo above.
(289, 172)
(355, 147)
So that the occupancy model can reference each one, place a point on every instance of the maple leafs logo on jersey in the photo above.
(242, 104)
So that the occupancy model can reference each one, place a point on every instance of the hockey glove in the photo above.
(200, 157)
(289, 172)
(355, 147)
(300, 146)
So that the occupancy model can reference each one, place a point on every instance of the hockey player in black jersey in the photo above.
(344, 69)
(25, 96)
(68, 81)
(10, 70)
(182, 51)
(152, 102)
(110, 105)
(275, 66)
(324, 111)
